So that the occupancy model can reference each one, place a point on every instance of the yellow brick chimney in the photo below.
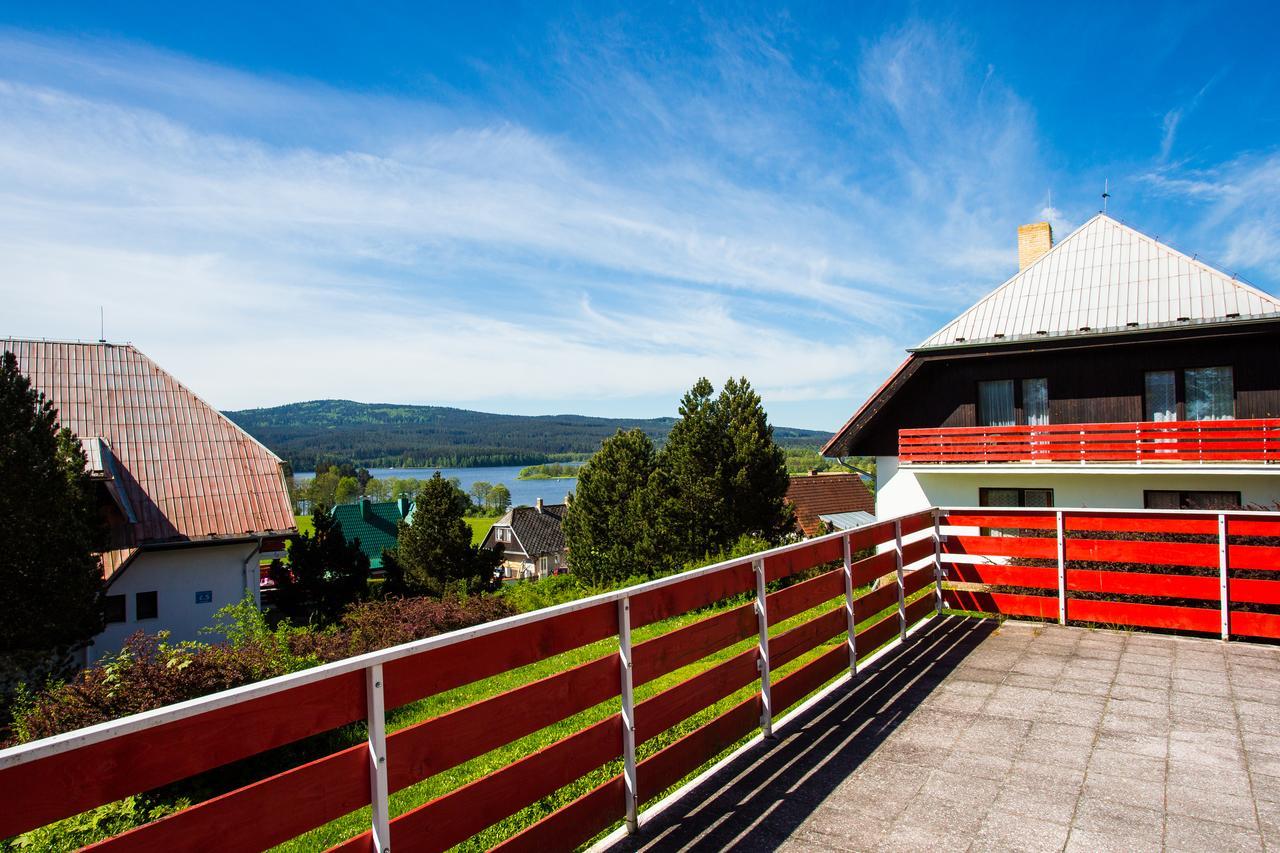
(1033, 241)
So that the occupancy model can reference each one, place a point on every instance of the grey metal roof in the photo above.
(847, 520)
(1105, 277)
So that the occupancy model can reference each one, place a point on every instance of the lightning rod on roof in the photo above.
(102, 326)
(1105, 195)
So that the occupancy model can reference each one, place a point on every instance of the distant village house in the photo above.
(192, 502)
(830, 501)
(532, 540)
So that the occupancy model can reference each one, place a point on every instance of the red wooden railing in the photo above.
(48, 780)
(1216, 573)
(1142, 442)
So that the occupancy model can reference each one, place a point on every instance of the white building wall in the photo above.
(905, 490)
(177, 575)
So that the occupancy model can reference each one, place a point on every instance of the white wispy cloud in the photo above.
(270, 240)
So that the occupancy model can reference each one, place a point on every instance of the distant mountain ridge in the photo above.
(390, 434)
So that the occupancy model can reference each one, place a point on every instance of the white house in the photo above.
(1110, 371)
(191, 500)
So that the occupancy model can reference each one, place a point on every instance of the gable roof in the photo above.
(824, 494)
(184, 470)
(1105, 277)
(536, 533)
(374, 524)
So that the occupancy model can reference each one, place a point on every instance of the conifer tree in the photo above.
(324, 575)
(434, 551)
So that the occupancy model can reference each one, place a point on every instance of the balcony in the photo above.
(843, 715)
(1140, 443)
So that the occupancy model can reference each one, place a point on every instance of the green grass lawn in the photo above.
(305, 524)
(480, 527)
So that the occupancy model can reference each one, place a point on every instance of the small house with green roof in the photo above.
(374, 524)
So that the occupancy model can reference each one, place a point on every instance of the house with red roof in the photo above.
(192, 502)
(838, 499)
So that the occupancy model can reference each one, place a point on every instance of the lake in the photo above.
(524, 492)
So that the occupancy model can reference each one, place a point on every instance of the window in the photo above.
(113, 608)
(502, 534)
(1161, 499)
(1161, 397)
(995, 403)
(1035, 401)
(1015, 497)
(1210, 394)
(146, 606)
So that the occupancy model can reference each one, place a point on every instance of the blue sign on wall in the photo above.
(204, 596)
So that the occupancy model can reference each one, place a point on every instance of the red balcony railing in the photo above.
(1202, 572)
(1142, 442)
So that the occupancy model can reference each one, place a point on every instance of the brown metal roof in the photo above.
(186, 471)
(821, 494)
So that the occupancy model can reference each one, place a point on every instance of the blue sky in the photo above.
(583, 208)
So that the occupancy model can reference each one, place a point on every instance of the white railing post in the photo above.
(848, 607)
(376, 713)
(1224, 587)
(937, 560)
(762, 614)
(1062, 571)
(902, 583)
(628, 714)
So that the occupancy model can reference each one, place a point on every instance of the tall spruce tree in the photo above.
(49, 527)
(612, 528)
(691, 487)
(434, 551)
(757, 467)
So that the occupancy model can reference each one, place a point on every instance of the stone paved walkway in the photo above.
(1020, 737)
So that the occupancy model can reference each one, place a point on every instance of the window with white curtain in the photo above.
(1161, 395)
(995, 403)
(1211, 394)
(1035, 401)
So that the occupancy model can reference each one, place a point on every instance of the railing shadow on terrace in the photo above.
(1218, 570)
(1202, 442)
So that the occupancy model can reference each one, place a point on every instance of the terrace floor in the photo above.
(1014, 737)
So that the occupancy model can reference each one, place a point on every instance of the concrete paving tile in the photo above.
(1144, 793)
(979, 765)
(1265, 787)
(1183, 833)
(1119, 721)
(1147, 745)
(1124, 765)
(959, 790)
(1269, 823)
(1052, 806)
(1156, 710)
(1124, 688)
(1066, 733)
(1261, 743)
(1206, 752)
(1086, 686)
(1205, 777)
(1038, 682)
(1055, 753)
(839, 833)
(1017, 831)
(1118, 818)
(1101, 841)
(1220, 806)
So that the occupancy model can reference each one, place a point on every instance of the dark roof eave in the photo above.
(1112, 332)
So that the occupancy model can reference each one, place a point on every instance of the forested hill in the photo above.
(386, 434)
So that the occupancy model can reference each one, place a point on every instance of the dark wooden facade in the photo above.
(1091, 380)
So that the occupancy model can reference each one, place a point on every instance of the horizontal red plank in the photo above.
(458, 815)
(785, 603)
(916, 521)
(808, 678)
(260, 815)
(1253, 557)
(675, 649)
(1145, 615)
(444, 668)
(1248, 591)
(1139, 523)
(569, 826)
(690, 594)
(57, 786)
(668, 766)
(913, 552)
(1015, 521)
(917, 580)
(788, 646)
(1253, 527)
(659, 713)
(1142, 583)
(1002, 546)
(870, 536)
(1144, 553)
(1255, 624)
(871, 603)
(992, 574)
(1003, 603)
(876, 566)
(433, 746)
(802, 559)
